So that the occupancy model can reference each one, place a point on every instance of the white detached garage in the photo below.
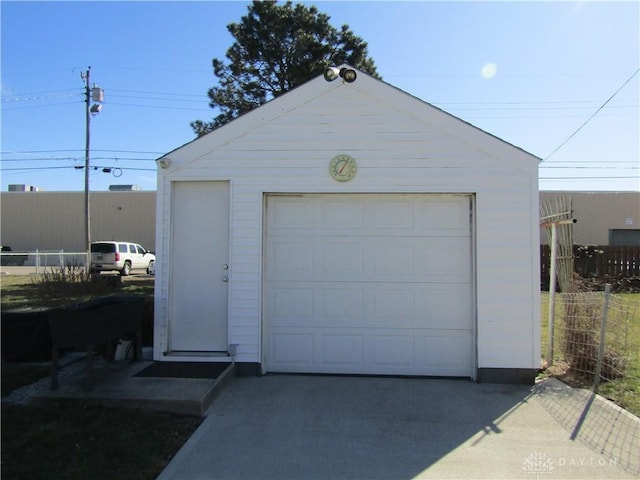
(350, 228)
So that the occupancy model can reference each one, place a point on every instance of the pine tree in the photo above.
(277, 48)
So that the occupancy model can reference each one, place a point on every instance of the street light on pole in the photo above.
(97, 95)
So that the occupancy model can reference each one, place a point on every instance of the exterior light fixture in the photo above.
(331, 73)
(348, 74)
(95, 108)
(164, 163)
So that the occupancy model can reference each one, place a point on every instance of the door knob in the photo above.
(225, 279)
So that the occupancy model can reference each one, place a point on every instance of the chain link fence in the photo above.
(40, 261)
(595, 337)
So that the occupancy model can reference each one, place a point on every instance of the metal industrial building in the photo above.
(52, 221)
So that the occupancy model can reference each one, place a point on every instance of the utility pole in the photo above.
(87, 212)
(96, 94)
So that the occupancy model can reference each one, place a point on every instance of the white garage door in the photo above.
(370, 284)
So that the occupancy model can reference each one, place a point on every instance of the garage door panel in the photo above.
(394, 215)
(444, 216)
(372, 351)
(372, 304)
(295, 350)
(291, 213)
(394, 306)
(390, 292)
(446, 306)
(426, 215)
(292, 306)
(340, 257)
(400, 259)
(392, 258)
(292, 258)
(392, 351)
(345, 351)
(341, 306)
(445, 353)
(445, 260)
(339, 215)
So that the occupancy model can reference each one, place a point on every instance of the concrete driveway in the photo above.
(308, 427)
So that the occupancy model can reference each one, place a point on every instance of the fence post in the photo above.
(552, 293)
(603, 331)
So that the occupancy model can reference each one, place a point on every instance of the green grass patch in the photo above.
(16, 291)
(623, 339)
(80, 442)
(624, 391)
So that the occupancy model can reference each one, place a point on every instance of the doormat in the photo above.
(183, 370)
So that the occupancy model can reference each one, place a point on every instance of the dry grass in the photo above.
(20, 291)
(577, 340)
(63, 442)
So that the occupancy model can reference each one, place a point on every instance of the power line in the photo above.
(144, 92)
(34, 168)
(590, 178)
(159, 69)
(17, 152)
(599, 162)
(24, 98)
(539, 102)
(124, 168)
(39, 106)
(160, 106)
(519, 109)
(588, 168)
(129, 151)
(515, 116)
(181, 100)
(18, 94)
(507, 109)
(77, 167)
(57, 159)
(475, 75)
(593, 115)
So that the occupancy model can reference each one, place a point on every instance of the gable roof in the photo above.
(382, 91)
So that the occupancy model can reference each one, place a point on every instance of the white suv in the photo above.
(120, 256)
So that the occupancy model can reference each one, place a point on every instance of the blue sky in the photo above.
(530, 73)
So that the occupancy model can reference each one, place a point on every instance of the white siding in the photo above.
(401, 145)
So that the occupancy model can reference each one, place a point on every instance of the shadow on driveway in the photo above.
(307, 427)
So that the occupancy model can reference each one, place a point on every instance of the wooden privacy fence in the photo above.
(601, 262)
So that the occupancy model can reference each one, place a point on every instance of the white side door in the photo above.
(199, 269)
